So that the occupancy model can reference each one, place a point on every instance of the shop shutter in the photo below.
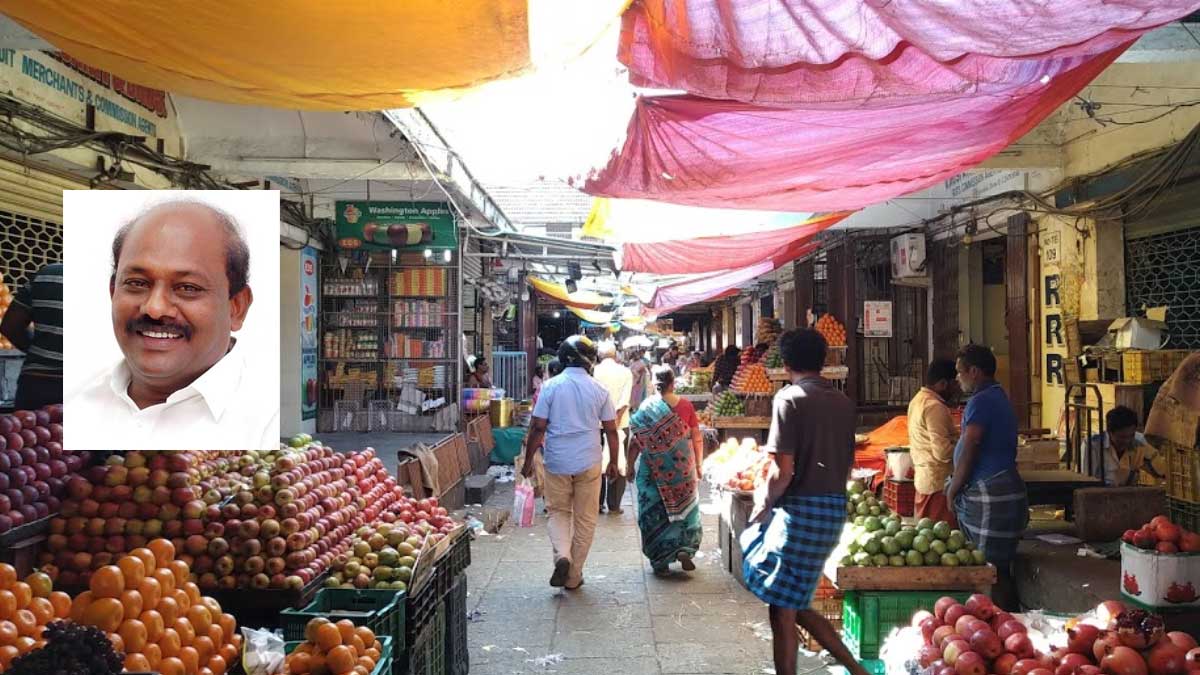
(1162, 254)
(30, 220)
(33, 193)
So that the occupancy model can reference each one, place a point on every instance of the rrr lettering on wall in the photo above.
(1052, 300)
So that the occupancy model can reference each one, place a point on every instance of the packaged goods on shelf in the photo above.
(405, 346)
(423, 282)
(345, 343)
(356, 313)
(418, 314)
(351, 287)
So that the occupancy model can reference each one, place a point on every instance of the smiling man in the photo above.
(179, 288)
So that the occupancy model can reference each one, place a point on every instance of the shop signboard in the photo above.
(877, 319)
(308, 333)
(375, 225)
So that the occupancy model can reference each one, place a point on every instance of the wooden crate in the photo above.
(723, 422)
(974, 578)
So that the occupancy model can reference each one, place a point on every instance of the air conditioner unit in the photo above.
(908, 259)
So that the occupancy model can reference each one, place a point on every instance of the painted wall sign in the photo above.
(1053, 330)
(388, 225)
(1051, 248)
(308, 333)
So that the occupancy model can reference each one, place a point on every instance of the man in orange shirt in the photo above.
(931, 439)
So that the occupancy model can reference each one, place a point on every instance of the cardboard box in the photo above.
(1137, 333)
(1160, 579)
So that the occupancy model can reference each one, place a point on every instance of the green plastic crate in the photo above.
(427, 653)
(382, 667)
(380, 610)
(1184, 513)
(872, 666)
(868, 616)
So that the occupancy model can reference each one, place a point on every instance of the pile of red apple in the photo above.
(33, 466)
(272, 519)
(976, 638)
(1163, 536)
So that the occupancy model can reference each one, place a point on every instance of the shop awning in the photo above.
(878, 54)
(705, 287)
(728, 154)
(576, 300)
(593, 316)
(313, 55)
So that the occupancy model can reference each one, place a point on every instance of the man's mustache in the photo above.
(146, 324)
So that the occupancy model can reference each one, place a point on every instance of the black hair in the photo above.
(980, 357)
(1120, 418)
(803, 350)
(731, 350)
(664, 377)
(237, 253)
(554, 367)
(940, 369)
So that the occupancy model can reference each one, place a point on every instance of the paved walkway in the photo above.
(624, 620)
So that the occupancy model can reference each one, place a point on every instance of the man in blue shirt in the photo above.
(569, 410)
(985, 489)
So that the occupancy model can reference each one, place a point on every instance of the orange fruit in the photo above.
(61, 603)
(137, 663)
(190, 658)
(182, 599)
(310, 628)
(43, 611)
(346, 629)
(228, 625)
(316, 663)
(8, 632)
(171, 665)
(205, 647)
(105, 614)
(366, 663)
(153, 654)
(8, 604)
(200, 617)
(166, 580)
(25, 644)
(341, 660)
(169, 610)
(133, 569)
(366, 634)
(181, 571)
(170, 643)
(151, 591)
(217, 665)
(23, 593)
(193, 593)
(149, 562)
(153, 622)
(299, 664)
(118, 642)
(26, 622)
(41, 584)
(8, 575)
(304, 648)
(108, 582)
(78, 606)
(328, 636)
(7, 654)
(359, 670)
(187, 633)
(133, 632)
(356, 643)
(131, 601)
(163, 550)
(229, 652)
(204, 670)
(215, 635)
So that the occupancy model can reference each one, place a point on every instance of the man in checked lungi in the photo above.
(985, 489)
(800, 511)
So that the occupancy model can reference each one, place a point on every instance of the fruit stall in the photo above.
(168, 562)
(10, 358)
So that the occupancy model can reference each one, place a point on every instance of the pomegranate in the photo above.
(1081, 638)
(946, 670)
(1019, 644)
(1193, 658)
(928, 626)
(953, 614)
(920, 616)
(1123, 661)
(1166, 547)
(1166, 658)
(971, 663)
(1167, 532)
(953, 650)
(999, 619)
(1010, 627)
(1108, 610)
(1004, 663)
(987, 644)
(940, 634)
(1138, 628)
(1189, 542)
(1025, 666)
(980, 606)
(1104, 644)
(1041, 671)
(1185, 641)
(1070, 662)
(1144, 538)
(943, 603)
(1089, 669)
(928, 654)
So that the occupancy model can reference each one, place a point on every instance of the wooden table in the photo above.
(757, 424)
(1056, 486)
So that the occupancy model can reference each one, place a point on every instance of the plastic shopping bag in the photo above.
(523, 503)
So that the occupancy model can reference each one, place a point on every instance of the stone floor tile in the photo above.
(603, 643)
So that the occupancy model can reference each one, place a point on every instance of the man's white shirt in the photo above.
(224, 409)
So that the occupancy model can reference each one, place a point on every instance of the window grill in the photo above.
(27, 245)
(1161, 270)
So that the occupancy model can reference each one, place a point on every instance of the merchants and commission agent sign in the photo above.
(388, 225)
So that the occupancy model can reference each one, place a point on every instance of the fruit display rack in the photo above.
(724, 422)
(973, 578)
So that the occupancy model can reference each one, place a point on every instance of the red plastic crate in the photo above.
(900, 496)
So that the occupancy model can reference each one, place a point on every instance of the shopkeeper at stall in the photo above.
(985, 490)
(33, 323)
(477, 373)
(1127, 457)
(931, 439)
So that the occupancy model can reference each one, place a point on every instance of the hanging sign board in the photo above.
(308, 333)
(877, 319)
(395, 225)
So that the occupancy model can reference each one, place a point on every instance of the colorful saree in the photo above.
(668, 497)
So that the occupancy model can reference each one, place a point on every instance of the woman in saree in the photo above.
(667, 451)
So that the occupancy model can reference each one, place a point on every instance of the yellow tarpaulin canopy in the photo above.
(592, 316)
(314, 54)
(556, 291)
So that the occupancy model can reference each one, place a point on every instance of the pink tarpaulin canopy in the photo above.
(713, 254)
(689, 150)
(871, 53)
(680, 294)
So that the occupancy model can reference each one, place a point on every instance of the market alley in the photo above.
(623, 620)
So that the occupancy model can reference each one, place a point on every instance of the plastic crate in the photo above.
(427, 652)
(868, 616)
(1183, 472)
(872, 666)
(382, 667)
(900, 496)
(458, 659)
(449, 567)
(1184, 513)
(380, 610)
(831, 609)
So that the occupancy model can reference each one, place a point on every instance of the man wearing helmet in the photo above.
(570, 407)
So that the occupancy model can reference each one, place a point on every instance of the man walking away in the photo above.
(986, 492)
(931, 438)
(38, 306)
(618, 380)
(571, 406)
(800, 512)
